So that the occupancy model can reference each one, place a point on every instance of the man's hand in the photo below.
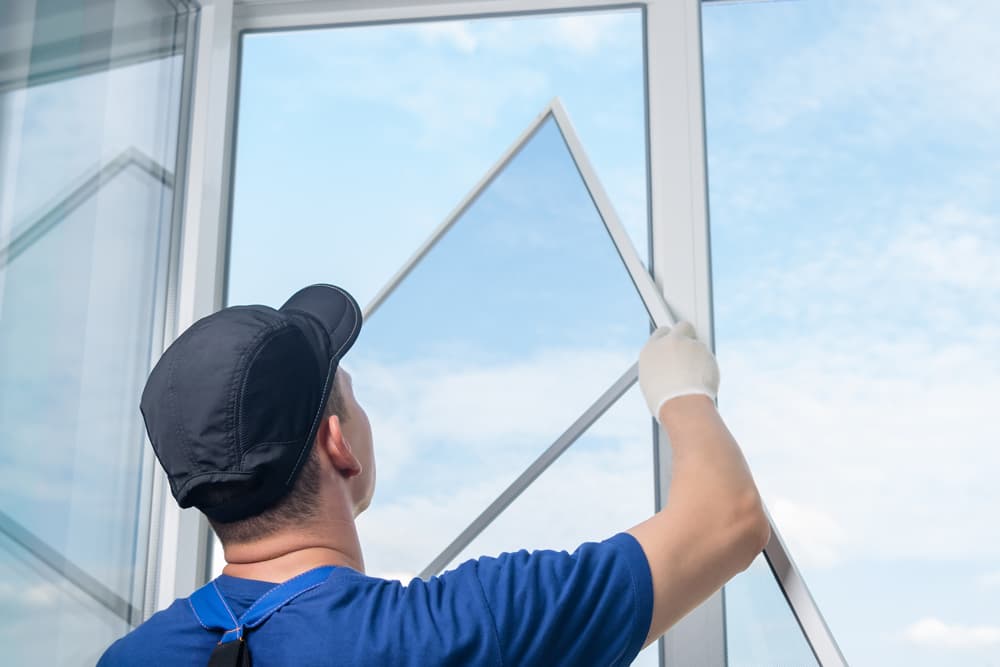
(675, 363)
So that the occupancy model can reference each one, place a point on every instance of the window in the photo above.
(354, 148)
(515, 313)
(856, 234)
(88, 139)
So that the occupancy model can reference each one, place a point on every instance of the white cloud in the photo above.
(519, 406)
(956, 247)
(814, 536)
(990, 579)
(454, 33)
(932, 632)
(935, 54)
(933, 265)
(71, 626)
(888, 444)
(596, 489)
(584, 33)
(40, 595)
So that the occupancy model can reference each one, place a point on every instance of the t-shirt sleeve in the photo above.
(591, 607)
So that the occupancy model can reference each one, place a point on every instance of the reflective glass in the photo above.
(760, 626)
(353, 144)
(601, 486)
(514, 323)
(89, 117)
(64, 295)
(47, 620)
(856, 239)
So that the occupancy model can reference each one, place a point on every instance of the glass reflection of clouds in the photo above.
(489, 349)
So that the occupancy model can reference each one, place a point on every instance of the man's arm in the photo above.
(713, 524)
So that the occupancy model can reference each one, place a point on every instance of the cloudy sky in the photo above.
(856, 240)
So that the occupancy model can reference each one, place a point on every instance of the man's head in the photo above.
(252, 420)
(341, 464)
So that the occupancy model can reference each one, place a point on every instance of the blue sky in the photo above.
(856, 234)
(852, 151)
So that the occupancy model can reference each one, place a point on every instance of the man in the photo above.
(256, 427)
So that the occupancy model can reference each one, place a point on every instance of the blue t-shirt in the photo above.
(591, 607)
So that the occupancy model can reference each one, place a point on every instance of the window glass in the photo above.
(856, 238)
(355, 143)
(89, 114)
(515, 322)
(75, 346)
(760, 626)
(46, 617)
(602, 485)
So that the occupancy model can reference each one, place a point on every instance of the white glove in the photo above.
(673, 363)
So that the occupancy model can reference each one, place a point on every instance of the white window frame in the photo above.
(679, 239)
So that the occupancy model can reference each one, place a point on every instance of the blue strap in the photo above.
(213, 613)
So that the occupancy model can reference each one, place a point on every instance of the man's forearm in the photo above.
(713, 524)
(708, 470)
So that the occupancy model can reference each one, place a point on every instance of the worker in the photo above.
(256, 424)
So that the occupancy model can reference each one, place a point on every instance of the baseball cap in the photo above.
(233, 405)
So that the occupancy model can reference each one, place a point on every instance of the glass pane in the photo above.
(64, 294)
(355, 143)
(856, 239)
(89, 110)
(601, 486)
(760, 627)
(46, 619)
(513, 324)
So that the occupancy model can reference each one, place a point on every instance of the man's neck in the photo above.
(282, 556)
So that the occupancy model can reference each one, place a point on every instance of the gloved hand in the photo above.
(673, 363)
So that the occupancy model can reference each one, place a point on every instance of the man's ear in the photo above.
(333, 442)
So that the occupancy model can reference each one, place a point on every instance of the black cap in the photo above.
(233, 405)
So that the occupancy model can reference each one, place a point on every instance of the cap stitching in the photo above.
(329, 374)
(182, 435)
(190, 479)
(233, 417)
(357, 318)
(312, 429)
(269, 442)
(243, 390)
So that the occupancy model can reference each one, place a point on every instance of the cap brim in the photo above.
(334, 310)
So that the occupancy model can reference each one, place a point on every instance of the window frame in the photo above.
(677, 198)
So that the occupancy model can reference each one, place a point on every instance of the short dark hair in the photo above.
(296, 506)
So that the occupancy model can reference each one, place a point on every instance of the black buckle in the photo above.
(231, 654)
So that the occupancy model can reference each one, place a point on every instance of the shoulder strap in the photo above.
(282, 594)
(214, 614)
